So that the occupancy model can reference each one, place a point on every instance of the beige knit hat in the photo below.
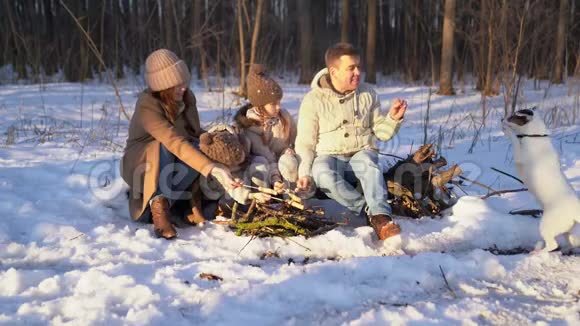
(163, 70)
(261, 88)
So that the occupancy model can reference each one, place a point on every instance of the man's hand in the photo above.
(304, 183)
(397, 111)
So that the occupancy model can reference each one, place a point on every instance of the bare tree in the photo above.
(344, 12)
(255, 34)
(371, 73)
(18, 57)
(168, 24)
(242, 91)
(557, 78)
(481, 54)
(488, 90)
(305, 30)
(511, 50)
(447, 50)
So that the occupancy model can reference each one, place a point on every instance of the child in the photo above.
(228, 146)
(270, 129)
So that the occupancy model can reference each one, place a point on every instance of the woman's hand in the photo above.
(224, 177)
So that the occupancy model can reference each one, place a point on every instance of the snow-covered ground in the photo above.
(69, 254)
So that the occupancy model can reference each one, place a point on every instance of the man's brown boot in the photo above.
(384, 226)
(161, 219)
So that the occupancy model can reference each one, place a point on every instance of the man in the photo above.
(338, 124)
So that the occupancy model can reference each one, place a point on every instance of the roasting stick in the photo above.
(273, 192)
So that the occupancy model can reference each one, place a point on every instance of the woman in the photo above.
(161, 159)
(270, 129)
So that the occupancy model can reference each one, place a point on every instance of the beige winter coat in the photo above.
(333, 124)
(149, 127)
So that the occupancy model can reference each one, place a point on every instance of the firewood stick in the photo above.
(456, 183)
(295, 204)
(440, 162)
(509, 175)
(234, 212)
(262, 189)
(293, 196)
(250, 209)
(499, 192)
(477, 183)
(290, 202)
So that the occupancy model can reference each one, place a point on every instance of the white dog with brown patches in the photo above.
(538, 165)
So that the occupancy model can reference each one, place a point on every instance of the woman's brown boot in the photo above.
(161, 219)
(196, 216)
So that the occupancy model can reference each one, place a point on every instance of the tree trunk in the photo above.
(119, 73)
(288, 37)
(168, 24)
(136, 49)
(18, 56)
(321, 34)
(557, 78)
(256, 32)
(305, 30)
(195, 41)
(371, 74)
(51, 62)
(384, 26)
(446, 74)
(482, 48)
(344, 12)
(242, 90)
(73, 63)
(416, 56)
(490, 52)
(177, 29)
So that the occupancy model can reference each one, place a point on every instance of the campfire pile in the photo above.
(284, 218)
(417, 185)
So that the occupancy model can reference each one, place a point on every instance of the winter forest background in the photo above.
(494, 41)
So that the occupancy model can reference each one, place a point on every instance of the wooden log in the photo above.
(234, 217)
(250, 210)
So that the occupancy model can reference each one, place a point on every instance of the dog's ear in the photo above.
(518, 119)
(525, 112)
